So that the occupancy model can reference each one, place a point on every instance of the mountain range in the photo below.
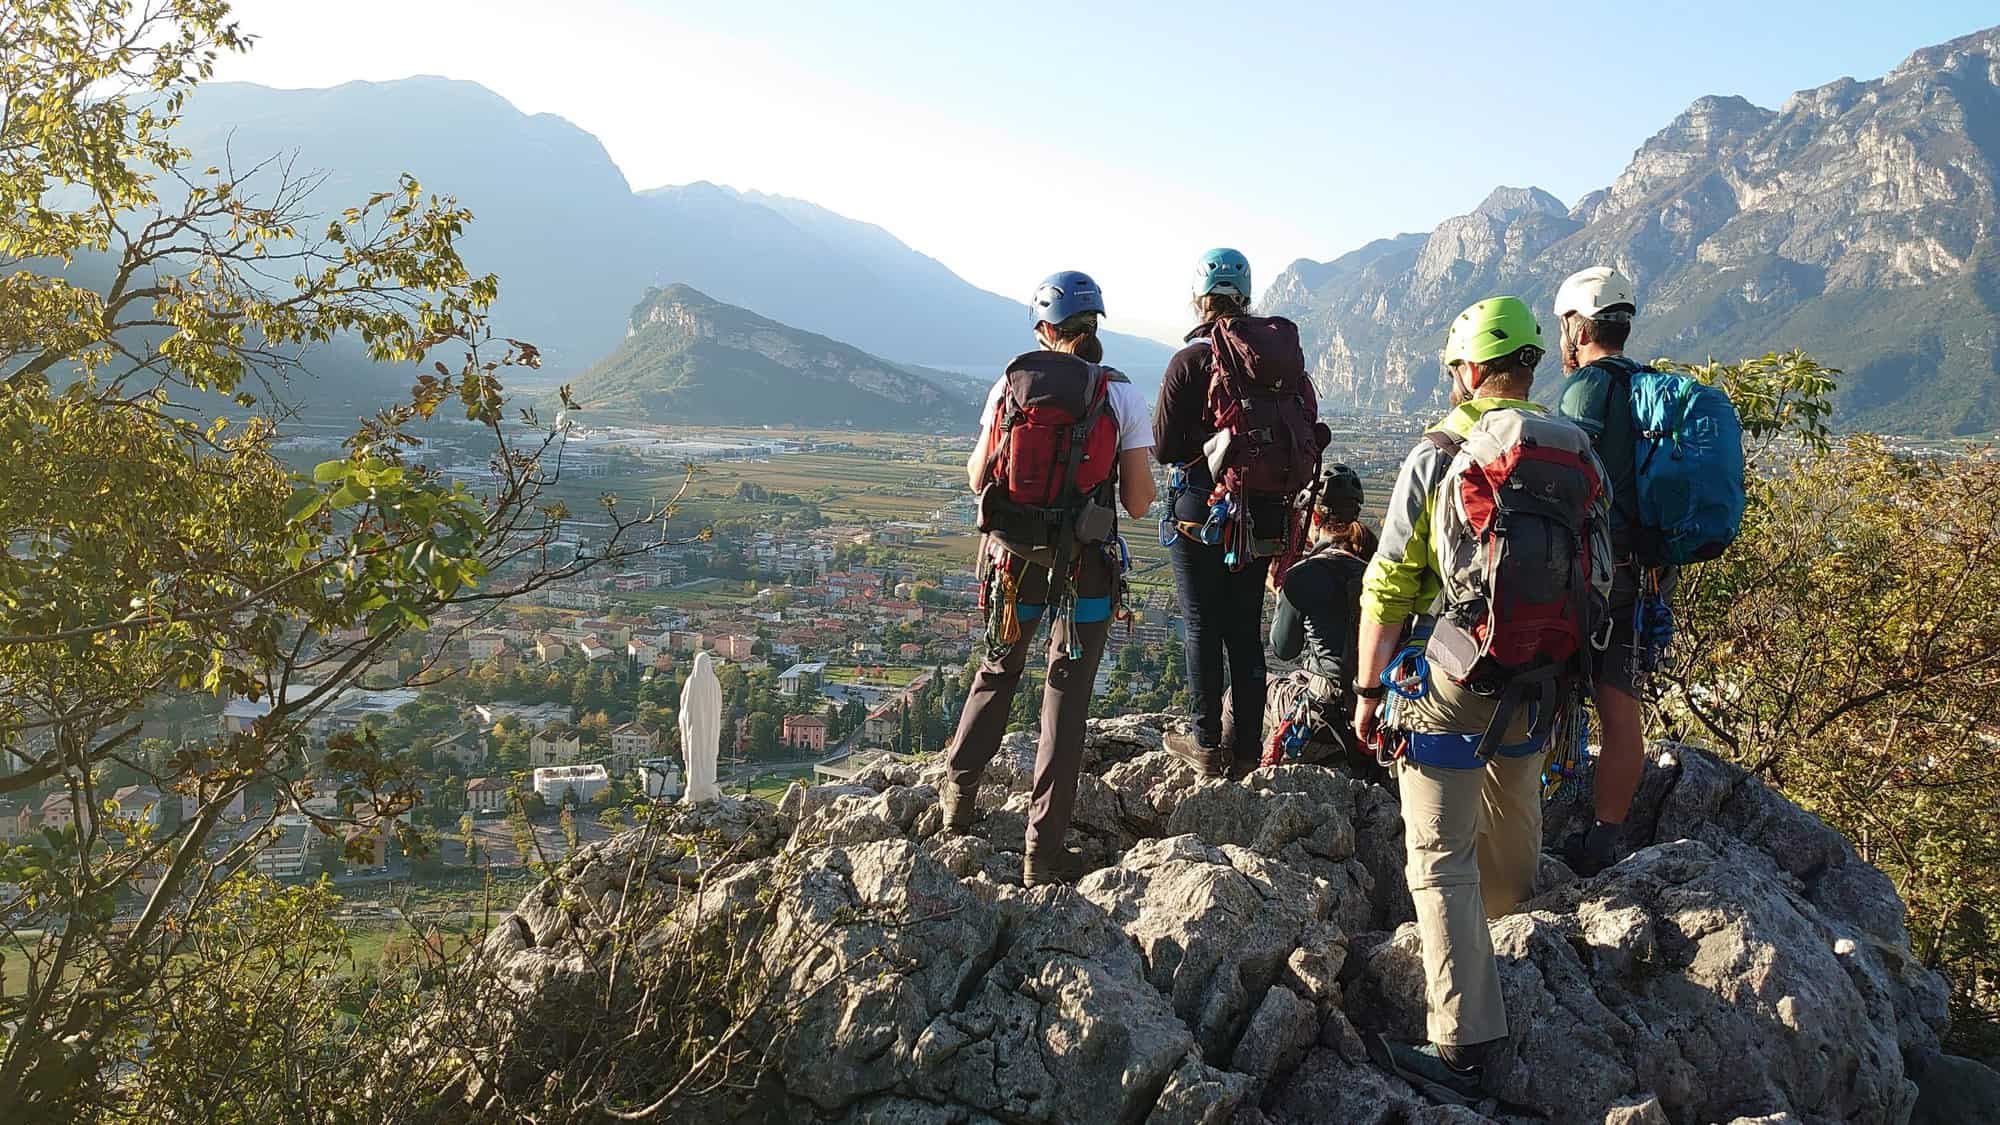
(575, 246)
(1857, 221)
(690, 358)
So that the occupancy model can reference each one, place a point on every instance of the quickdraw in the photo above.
(1170, 528)
(1000, 598)
(1570, 761)
(1652, 629)
(1408, 678)
(1117, 553)
(1294, 731)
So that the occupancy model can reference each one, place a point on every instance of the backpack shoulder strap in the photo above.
(1450, 443)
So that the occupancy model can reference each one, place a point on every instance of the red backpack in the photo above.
(1259, 395)
(1051, 400)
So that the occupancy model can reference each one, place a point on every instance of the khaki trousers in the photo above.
(1473, 838)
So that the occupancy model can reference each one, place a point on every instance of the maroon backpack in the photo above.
(1259, 395)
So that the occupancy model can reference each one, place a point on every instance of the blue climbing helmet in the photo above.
(1223, 270)
(1064, 295)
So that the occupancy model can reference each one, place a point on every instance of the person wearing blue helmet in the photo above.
(1221, 605)
(1064, 443)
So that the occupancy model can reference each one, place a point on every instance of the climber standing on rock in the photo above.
(1497, 526)
(1238, 426)
(1063, 443)
(1595, 308)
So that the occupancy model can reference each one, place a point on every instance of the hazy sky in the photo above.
(1011, 140)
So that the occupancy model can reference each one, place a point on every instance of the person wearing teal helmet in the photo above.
(1221, 606)
(1223, 271)
(1472, 727)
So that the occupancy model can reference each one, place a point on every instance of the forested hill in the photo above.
(689, 358)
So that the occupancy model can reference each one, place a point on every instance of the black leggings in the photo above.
(1224, 611)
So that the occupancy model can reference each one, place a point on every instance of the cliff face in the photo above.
(1858, 221)
(689, 358)
(1229, 950)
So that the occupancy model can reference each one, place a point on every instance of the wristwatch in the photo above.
(1370, 691)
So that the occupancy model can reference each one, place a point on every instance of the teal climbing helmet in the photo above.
(1223, 270)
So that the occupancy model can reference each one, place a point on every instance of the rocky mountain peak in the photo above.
(1231, 946)
(1979, 49)
(1508, 204)
(1861, 222)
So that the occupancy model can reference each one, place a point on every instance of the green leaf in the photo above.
(326, 472)
(303, 504)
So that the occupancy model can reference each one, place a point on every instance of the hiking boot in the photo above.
(1456, 1080)
(1208, 761)
(1051, 868)
(959, 807)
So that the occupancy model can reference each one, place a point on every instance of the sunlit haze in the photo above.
(1011, 140)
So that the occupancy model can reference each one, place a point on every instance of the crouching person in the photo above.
(1065, 441)
(1498, 521)
(1317, 623)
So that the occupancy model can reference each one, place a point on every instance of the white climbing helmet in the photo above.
(1594, 292)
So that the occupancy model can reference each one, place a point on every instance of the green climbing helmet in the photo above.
(1492, 328)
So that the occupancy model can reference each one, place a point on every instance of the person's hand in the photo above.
(1367, 720)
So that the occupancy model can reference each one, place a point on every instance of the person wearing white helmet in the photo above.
(1594, 309)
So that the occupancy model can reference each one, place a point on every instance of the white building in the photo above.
(285, 856)
(554, 784)
(485, 645)
(660, 779)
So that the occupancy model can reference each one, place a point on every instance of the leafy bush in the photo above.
(1847, 648)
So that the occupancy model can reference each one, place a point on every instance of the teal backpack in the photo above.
(1687, 457)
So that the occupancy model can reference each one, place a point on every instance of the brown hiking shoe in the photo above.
(959, 807)
(1208, 761)
(1051, 868)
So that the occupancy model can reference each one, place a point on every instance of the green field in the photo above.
(13, 968)
(847, 487)
(850, 674)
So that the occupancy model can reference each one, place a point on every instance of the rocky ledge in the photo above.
(1234, 944)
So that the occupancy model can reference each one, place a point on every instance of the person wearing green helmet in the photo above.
(1476, 614)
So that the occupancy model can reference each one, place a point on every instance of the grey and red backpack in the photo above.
(1524, 560)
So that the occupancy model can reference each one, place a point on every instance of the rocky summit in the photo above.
(1861, 220)
(1231, 947)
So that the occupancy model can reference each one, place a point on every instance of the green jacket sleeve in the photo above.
(1402, 580)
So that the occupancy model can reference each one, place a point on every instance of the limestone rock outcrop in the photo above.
(1234, 943)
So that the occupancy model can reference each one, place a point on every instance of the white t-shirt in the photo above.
(1134, 413)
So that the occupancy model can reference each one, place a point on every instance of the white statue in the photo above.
(701, 729)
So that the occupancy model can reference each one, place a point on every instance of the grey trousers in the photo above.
(1065, 705)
